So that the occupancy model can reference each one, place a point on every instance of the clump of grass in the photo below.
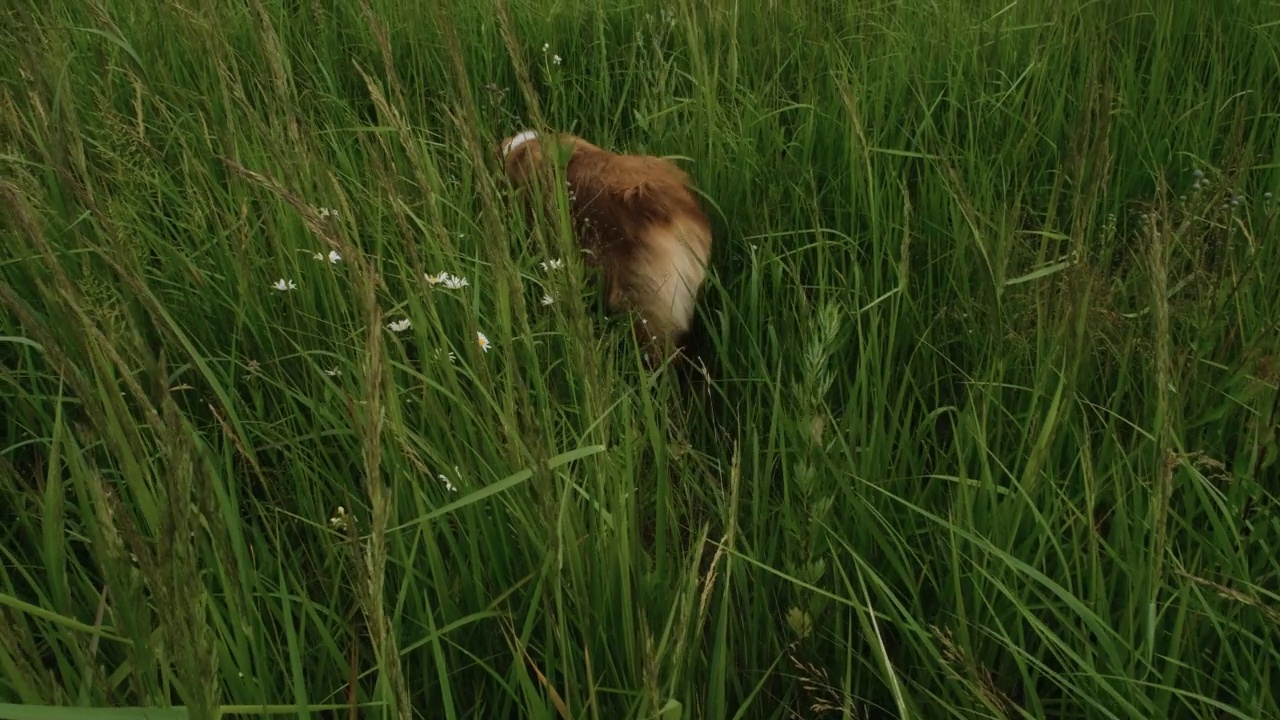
(982, 419)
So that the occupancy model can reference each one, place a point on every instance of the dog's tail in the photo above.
(671, 270)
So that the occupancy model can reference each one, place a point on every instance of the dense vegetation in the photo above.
(980, 419)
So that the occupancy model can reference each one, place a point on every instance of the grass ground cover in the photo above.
(296, 418)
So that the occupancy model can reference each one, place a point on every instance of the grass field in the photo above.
(983, 421)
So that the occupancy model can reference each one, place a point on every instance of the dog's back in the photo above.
(637, 218)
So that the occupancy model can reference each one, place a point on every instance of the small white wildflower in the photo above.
(448, 486)
(547, 299)
(284, 285)
(482, 341)
(550, 265)
(555, 59)
(334, 257)
(546, 47)
(453, 282)
(333, 372)
(440, 354)
(326, 213)
(396, 326)
(340, 518)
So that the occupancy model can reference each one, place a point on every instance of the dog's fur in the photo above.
(636, 218)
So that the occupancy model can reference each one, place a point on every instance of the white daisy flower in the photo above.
(284, 285)
(547, 299)
(453, 282)
(397, 326)
(483, 341)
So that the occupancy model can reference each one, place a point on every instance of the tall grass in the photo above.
(981, 419)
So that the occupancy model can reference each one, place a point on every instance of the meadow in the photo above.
(978, 418)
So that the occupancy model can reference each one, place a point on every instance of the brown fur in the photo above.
(636, 218)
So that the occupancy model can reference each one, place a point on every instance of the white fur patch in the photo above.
(518, 140)
(677, 267)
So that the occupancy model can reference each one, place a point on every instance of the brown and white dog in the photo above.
(635, 217)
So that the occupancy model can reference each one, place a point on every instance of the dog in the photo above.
(635, 217)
